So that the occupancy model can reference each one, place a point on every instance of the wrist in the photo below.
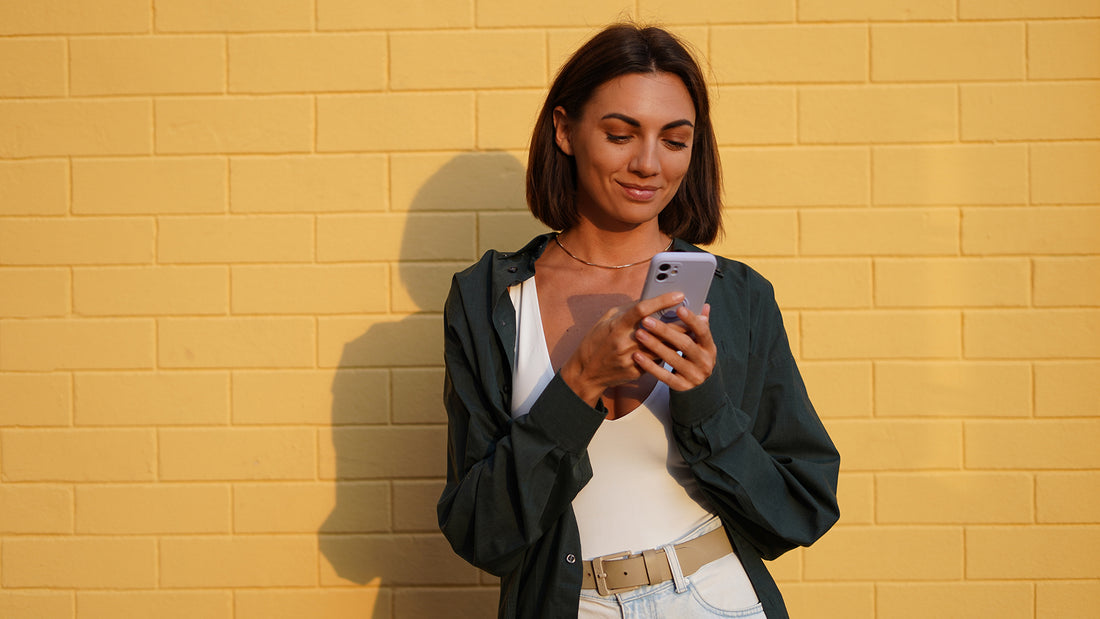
(572, 374)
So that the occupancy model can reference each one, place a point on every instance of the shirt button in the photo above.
(570, 558)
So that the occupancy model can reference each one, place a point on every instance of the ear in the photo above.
(562, 134)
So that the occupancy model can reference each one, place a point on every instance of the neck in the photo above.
(606, 247)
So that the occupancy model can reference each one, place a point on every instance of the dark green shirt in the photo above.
(748, 433)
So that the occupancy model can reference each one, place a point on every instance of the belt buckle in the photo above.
(600, 576)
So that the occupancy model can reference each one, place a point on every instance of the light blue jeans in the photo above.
(718, 589)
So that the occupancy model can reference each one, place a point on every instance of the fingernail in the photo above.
(649, 322)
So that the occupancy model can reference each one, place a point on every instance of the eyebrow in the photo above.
(634, 122)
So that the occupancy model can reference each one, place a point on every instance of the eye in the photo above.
(617, 139)
(675, 145)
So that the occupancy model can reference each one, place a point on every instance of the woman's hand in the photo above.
(606, 357)
(664, 341)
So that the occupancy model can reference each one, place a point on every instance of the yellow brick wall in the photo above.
(227, 227)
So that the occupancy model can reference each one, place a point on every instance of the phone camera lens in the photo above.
(665, 267)
(661, 277)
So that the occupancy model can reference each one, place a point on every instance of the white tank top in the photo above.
(642, 494)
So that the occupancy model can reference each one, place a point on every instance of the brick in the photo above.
(458, 182)
(950, 175)
(758, 232)
(788, 567)
(1035, 111)
(149, 186)
(143, 291)
(395, 236)
(953, 498)
(876, 10)
(383, 452)
(1067, 389)
(78, 455)
(415, 340)
(253, 561)
(80, 563)
(276, 124)
(497, 13)
(34, 187)
(42, 128)
(1040, 444)
(75, 17)
(754, 115)
(1067, 282)
(307, 63)
(839, 388)
(430, 602)
(1059, 600)
(33, 292)
(414, 505)
(817, 176)
(147, 65)
(952, 389)
(506, 119)
(1045, 552)
(1065, 173)
(396, 559)
(305, 397)
(1035, 333)
(380, 122)
(32, 68)
(831, 601)
(369, 601)
(46, 345)
(235, 239)
(1031, 230)
(313, 289)
(36, 604)
(998, 9)
(474, 59)
(160, 604)
(418, 396)
(955, 600)
(76, 241)
(35, 509)
(947, 52)
(701, 11)
(1067, 497)
(150, 510)
(880, 232)
(35, 399)
(877, 114)
(824, 283)
(786, 54)
(356, 15)
(236, 342)
(152, 399)
(952, 282)
(856, 493)
(237, 454)
(233, 15)
(343, 507)
(1063, 50)
(309, 184)
(902, 445)
(422, 287)
(916, 554)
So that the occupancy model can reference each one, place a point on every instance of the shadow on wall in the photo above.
(390, 461)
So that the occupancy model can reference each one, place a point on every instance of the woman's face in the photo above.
(632, 145)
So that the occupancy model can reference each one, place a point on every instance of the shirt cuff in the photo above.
(565, 417)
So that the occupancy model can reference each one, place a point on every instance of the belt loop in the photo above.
(674, 563)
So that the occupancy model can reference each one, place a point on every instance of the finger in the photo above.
(646, 307)
(698, 325)
(683, 366)
(675, 335)
(658, 371)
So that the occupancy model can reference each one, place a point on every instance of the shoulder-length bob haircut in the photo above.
(695, 212)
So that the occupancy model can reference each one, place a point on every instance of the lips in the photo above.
(641, 193)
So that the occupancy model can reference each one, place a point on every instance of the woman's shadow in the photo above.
(390, 448)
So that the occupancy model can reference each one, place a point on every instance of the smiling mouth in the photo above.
(641, 193)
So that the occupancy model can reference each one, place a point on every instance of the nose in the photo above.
(646, 161)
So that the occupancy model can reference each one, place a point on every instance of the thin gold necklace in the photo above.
(605, 266)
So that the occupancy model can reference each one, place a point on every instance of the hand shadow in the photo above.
(390, 452)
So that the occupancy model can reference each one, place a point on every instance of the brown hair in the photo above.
(695, 212)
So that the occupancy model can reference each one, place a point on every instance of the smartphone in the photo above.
(678, 271)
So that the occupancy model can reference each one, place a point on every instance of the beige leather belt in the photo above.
(619, 573)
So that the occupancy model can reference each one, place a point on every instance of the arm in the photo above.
(755, 443)
(508, 481)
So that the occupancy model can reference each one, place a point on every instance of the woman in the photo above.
(602, 463)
